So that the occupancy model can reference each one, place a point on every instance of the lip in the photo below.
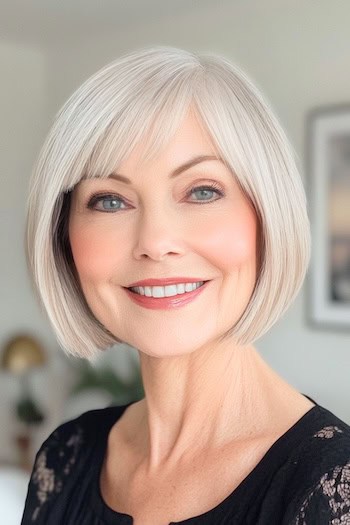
(166, 303)
(166, 281)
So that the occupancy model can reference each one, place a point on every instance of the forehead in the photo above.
(189, 140)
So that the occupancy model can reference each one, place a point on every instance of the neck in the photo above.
(204, 401)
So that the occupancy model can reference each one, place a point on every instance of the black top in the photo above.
(303, 479)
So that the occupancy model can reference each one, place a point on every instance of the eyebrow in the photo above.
(180, 169)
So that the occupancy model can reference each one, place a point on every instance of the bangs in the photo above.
(151, 119)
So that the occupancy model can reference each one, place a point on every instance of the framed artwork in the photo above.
(328, 173)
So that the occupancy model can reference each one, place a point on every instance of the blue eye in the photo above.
(204, 191)
(114, 202)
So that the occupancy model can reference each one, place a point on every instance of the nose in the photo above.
(158, 234)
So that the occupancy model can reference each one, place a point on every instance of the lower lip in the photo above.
(165, 303)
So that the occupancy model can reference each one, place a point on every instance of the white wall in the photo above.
(23, 97)
(297, 54)
(23, 109)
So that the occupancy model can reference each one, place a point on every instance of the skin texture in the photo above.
(201, 395)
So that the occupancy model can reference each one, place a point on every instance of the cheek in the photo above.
(95, 253)
(232, 243)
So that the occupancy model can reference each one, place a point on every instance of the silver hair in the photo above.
(145, 94)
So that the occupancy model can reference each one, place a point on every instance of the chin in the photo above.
(165, 348)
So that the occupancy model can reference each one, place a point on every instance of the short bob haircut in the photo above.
(146, 94)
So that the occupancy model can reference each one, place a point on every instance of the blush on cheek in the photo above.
(233, 243)
(93, 255)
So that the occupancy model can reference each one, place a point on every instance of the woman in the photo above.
(166, 211)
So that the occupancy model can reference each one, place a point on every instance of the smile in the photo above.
(166, 291)
(155, 298)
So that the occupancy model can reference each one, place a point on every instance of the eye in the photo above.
(110, 203)
(205, 192)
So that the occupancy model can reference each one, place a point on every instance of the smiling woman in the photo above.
(195, 227)
(166, 211)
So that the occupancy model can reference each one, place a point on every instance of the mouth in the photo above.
(158, 292)
(163, 298)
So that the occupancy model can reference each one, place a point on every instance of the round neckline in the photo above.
(273, 455)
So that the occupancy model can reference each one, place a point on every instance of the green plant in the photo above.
(26, 408)
(103, 378)
(28, 412)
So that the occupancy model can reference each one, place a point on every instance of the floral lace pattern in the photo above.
(328, 432)
(46, 481)
(334, 485)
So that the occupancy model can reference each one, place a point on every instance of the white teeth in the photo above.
(180, 288)
(166, 291)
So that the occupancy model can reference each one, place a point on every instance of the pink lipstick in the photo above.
(166, 303)
(166, 281)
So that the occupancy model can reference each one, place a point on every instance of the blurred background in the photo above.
(298, 54)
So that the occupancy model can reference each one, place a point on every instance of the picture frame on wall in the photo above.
(328, 175)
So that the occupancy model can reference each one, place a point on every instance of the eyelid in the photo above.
(195, 186)
(212, 185)
(93, 199)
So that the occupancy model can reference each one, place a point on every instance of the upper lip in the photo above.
(165, 282)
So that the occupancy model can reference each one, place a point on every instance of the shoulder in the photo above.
(329, 441)
(61, 457)
(322, 474)
(72, 434)
(62, 448)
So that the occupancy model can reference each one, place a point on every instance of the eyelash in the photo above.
(99, 197)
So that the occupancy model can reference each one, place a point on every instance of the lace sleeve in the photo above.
(328, 503)
(52, 467)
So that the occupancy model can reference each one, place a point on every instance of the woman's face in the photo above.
(194, 224)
